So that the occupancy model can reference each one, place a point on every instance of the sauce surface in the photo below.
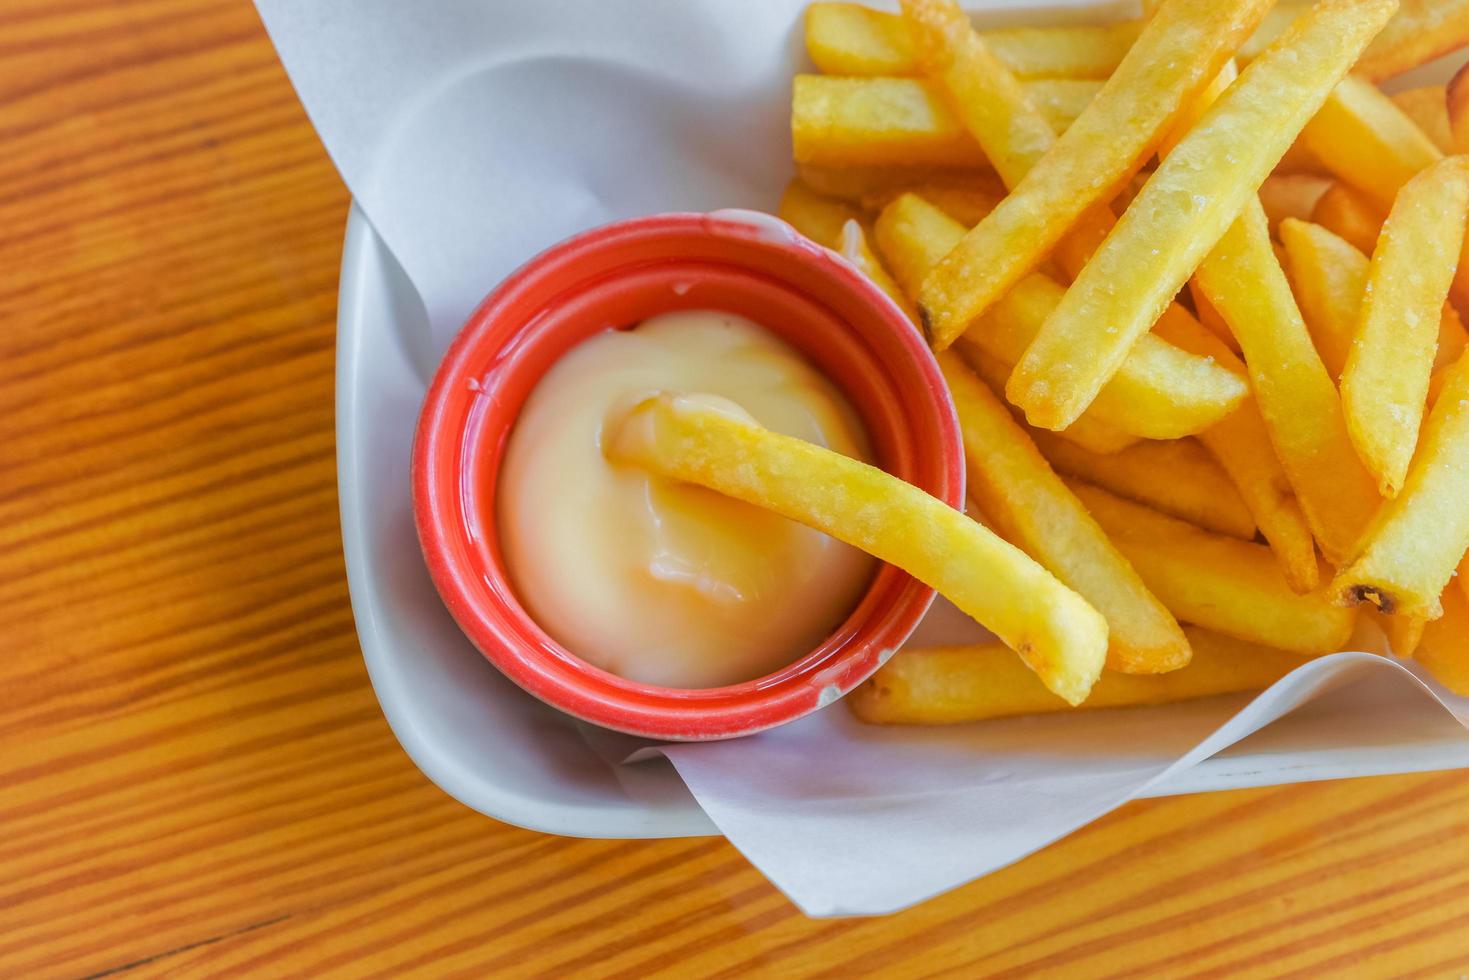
(661, 582)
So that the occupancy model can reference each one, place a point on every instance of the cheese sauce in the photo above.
(656, 581)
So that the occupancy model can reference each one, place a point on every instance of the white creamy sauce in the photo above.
(662, 582)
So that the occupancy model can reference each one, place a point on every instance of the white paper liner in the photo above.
(473, 134)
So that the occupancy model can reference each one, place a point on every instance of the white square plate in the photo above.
(508, 756)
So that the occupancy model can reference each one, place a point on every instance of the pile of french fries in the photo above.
(1192, 282)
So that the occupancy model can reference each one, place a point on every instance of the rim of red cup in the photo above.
(613, 277)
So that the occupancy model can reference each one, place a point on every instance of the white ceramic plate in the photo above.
(506, 755)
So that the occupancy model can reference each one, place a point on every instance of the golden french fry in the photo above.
(990, 101)
(1285, 196)
(850, 39)
(1274, 24)
(1209, 317)
(1456, 101)
(1415, 544)
(1178, 53)
(1220, 583)
(1403, 633)
(1443, 649)
(1095, 437)
(861, 121)
(1185, 209)
(1384, 385)
(1082, 51)
(1241, 445)
(1349, 215)
(1328, 275)
(1297, 398)
(1061, 100)
(855, 249)
(1301, 160)
(912, 236)
(964, 205)
(1179, 477)
(1421, 31)
(1159, 393)
(994, 106)
(838, 121)
(1452, 338)
(1367, 141)
(1429, 110)
(949, 685)
(1028, 505)
(857, 185)
(712, 443)
(818, 218)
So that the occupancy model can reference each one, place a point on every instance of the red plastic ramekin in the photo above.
(615, 276)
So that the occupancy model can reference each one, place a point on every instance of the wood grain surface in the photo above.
(194, 776)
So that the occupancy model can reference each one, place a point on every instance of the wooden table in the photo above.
(194, 776)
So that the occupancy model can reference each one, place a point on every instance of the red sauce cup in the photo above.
(616, 276)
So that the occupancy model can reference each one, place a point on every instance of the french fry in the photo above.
(1061, 100)
(1177, 54)
(966, 206)
(1159, 393)
(1210, 318)
(818, 218)
(1285, 196)
(1178, 478)
(1404, 633)
(1456, 102)
(1428, 108)
(1413, 547)
(1056, 632)
(1095, 437)
(1241, 445)
(1029, 506)
(1350, 216)
(863, 121)
(1301, 160)
(1328, 275)
(950, 685)
(838, 121)
(1185, 209)
(1367, 141)
(857, 185)
(1082, 51)
(1384, 385)
(1013, 133)
(855, 249)
(851, 39)
(1421, 31)
(914, 235)
(1297, 398)
(1443, 649)
(1452, 337)
(1220, 583)
(1274, 24)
